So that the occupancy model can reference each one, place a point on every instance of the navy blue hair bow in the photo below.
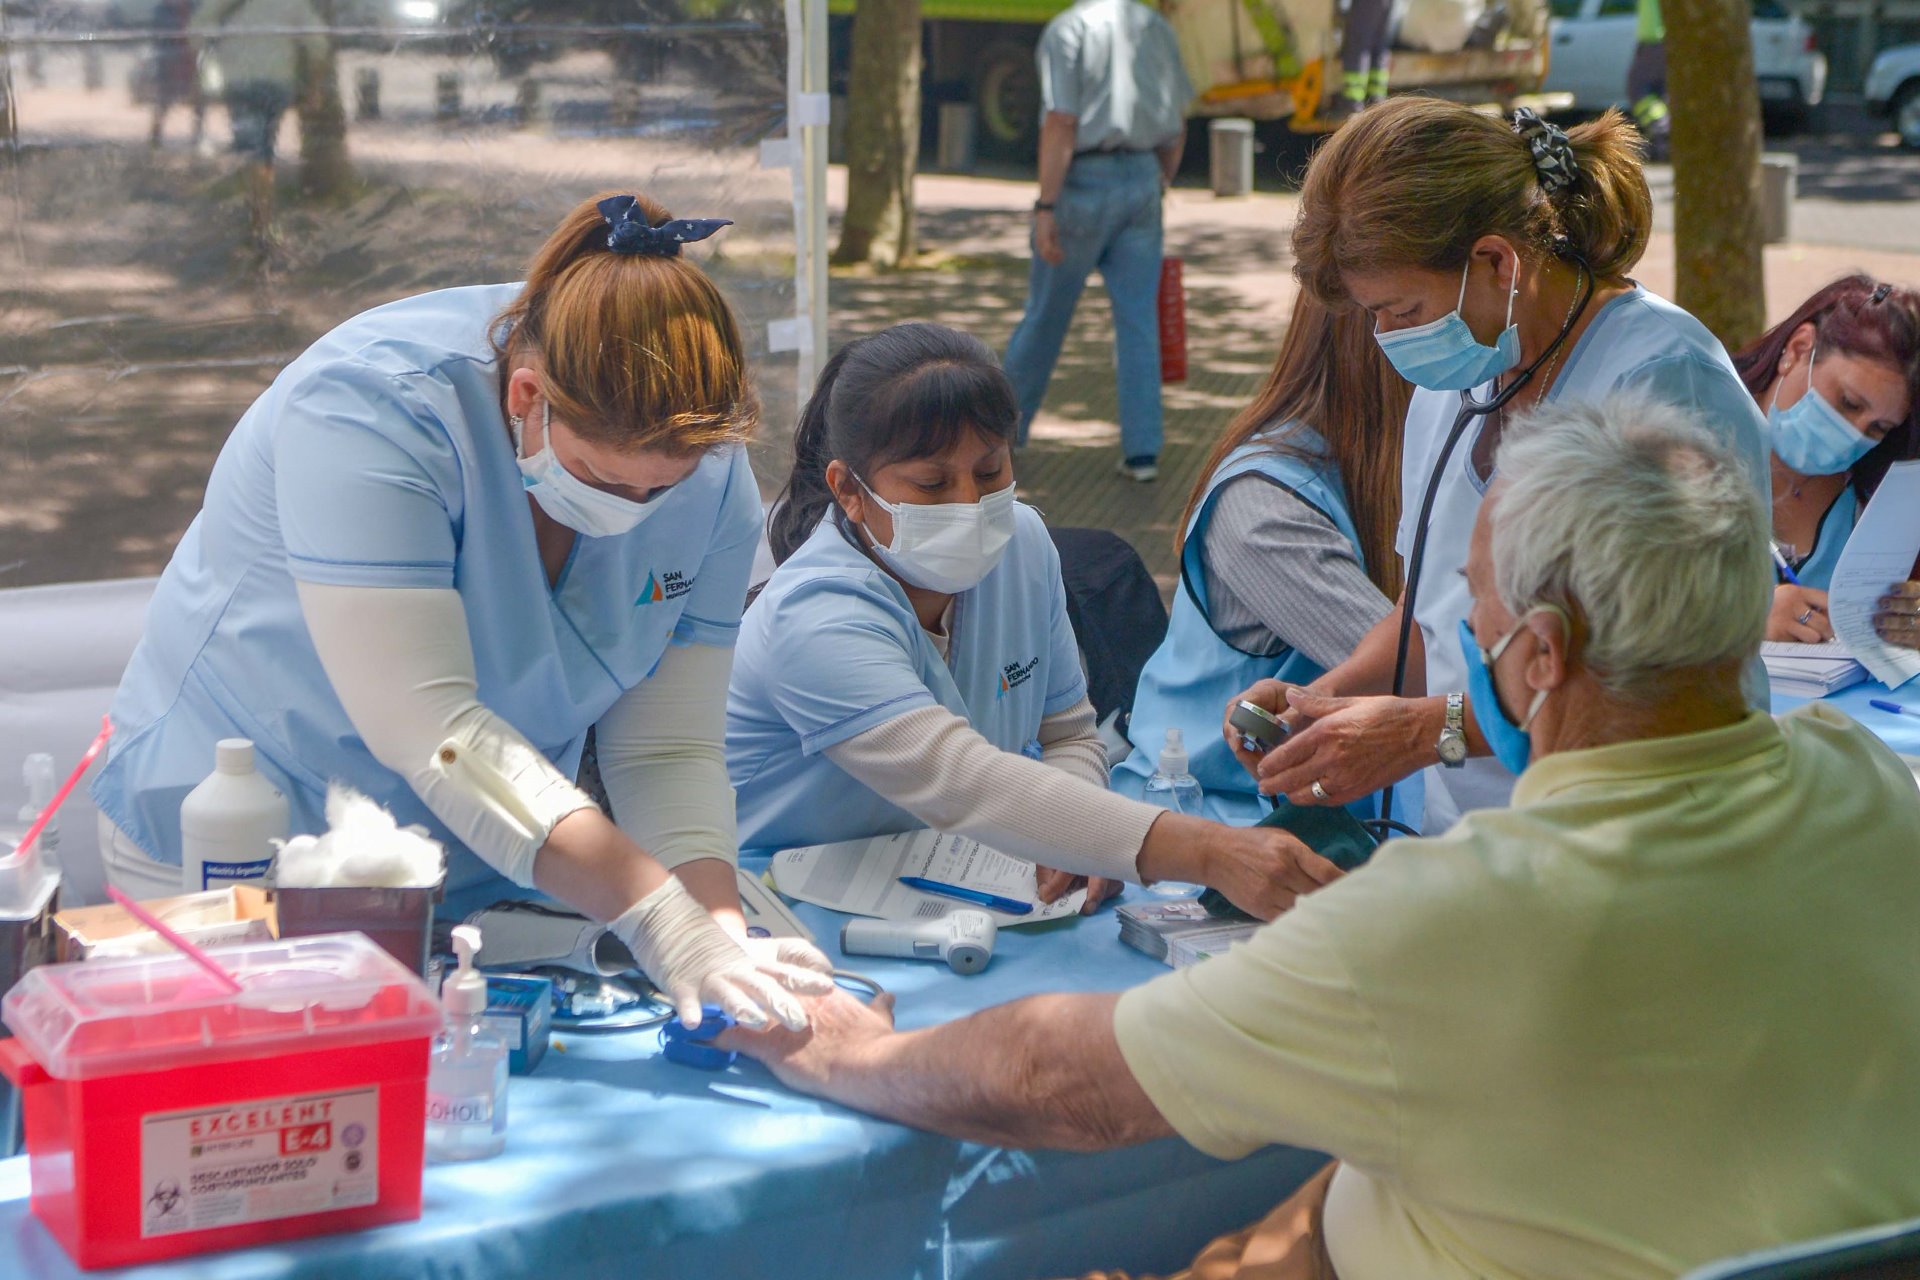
(628, 230)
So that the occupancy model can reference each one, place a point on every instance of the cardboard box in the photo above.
(218, 917)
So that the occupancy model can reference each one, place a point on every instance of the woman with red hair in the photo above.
(1840, 382)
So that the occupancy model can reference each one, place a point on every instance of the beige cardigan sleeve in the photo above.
(1056, 811)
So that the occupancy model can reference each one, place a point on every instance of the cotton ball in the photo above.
(369, 850)
(303, 863)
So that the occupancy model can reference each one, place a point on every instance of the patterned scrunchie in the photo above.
(1553, 160)
(629, 232)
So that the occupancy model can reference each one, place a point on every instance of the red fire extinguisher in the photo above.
(1173, 321)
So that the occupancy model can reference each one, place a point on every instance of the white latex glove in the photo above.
(795, 961)
(695, 962)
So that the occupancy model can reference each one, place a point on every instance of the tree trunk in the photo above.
(883, 134)
(1716, 166)
(325, 169)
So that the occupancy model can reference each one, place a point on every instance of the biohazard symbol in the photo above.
(165, 1200)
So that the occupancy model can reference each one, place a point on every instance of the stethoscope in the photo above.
(1470, 409)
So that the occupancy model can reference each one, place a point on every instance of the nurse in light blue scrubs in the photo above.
(1840, 382)
(1493, 257)
(910, 663)
(458, 532)
(1287, 556)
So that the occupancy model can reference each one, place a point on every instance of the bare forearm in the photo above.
(1057, 133)
(1169, 154)
(594, 867)
(1041, 1072)
(1369, 669)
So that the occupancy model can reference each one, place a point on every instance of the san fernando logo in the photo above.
(670, 585)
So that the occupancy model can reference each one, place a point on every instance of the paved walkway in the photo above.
(1239, 293)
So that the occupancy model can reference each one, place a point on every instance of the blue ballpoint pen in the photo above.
(1786, 570)
(993, 901)
(1893, 708)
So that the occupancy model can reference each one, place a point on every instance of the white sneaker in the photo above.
(1139, 472)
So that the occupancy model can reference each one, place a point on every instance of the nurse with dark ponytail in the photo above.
(910, 664)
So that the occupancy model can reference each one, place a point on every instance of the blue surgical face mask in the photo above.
(1443, 355)
(1512, 744)
(569, 499)
(1810, 435)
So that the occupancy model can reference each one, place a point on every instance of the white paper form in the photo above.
(1879, 554)
(1827, 650)
(863, 877)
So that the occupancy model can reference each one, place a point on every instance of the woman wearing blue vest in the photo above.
(1840, 382)
(910, 663)
(1493, 258)
(455, 534)
(1286, 554)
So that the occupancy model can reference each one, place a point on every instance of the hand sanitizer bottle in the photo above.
(467, 1070)
(1172, 787)
(229, 822)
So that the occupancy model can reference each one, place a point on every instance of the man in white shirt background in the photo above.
(1113, 99)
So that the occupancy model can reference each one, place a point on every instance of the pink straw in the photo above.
(60, 796)
(187, 949)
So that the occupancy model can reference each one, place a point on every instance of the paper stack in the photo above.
(1810, 670)
(1180, 932)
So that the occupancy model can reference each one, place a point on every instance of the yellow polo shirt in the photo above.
(1663, 1009)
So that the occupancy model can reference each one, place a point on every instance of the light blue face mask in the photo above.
(1443, 355)
(1512, 744)
(1810, 435)
(566, 497)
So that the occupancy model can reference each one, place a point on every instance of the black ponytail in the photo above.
(807, 495)
(912, 391)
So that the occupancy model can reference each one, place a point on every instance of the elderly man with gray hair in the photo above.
(1663, 1008)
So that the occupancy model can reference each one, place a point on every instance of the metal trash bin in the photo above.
(400, 921)
(1779, 179)
(1230, 156)
(956, 150)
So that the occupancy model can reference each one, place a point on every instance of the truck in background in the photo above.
(1270, 60)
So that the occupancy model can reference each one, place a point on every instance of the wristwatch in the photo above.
(1043, 206)
(1453, 736)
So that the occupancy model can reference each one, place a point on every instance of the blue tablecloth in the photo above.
(1901, 732)
(619, 1163)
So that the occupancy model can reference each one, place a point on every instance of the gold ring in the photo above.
(1320, 792)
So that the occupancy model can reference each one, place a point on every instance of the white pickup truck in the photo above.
(1593, 42)
(1893, 90)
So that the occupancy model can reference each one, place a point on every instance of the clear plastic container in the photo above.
(1171, 786)
(161, 1012)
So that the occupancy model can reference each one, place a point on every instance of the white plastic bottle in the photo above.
(37, 772)
(467, 1071)
(1172, 787)
(229, 822)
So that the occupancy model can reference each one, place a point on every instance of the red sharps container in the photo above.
(167, 1116)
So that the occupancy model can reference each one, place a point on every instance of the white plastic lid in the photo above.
(233, 755)
(95, 1018)
(1173, 754)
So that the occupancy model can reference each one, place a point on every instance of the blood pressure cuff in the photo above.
(1330, 830)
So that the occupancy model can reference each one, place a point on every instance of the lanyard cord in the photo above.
(1469, 410)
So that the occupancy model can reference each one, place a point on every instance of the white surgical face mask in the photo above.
(947, 546)
(566, 497)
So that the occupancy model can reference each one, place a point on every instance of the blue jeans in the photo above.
(1109, 217)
